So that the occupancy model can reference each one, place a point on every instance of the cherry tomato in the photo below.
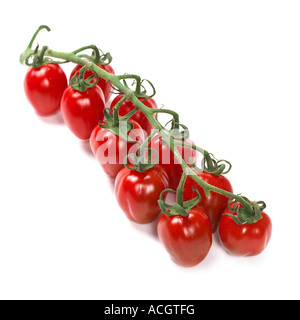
(82, 111)
(216, 203)
(139, 117)
(187, 239)
(44, 87)
(138, 193)
(168, 161)
(110, 150)
(244, 239)
(102, 83)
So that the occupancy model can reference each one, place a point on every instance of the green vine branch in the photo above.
(210, 164)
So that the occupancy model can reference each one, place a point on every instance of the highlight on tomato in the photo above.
(82, 111)
(44, 87)
(138, 193)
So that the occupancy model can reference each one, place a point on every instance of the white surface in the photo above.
(231, 69)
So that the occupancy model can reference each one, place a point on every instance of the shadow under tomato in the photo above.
(111, 184)
(54, 119)
(85, 147)
(149, 229)
(216, 239)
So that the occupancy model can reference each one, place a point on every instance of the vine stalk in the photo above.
(151, 114)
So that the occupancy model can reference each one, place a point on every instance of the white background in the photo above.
(230, 68)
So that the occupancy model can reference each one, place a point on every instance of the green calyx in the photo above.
(180, 208)
(143, 160)
(120, 127)
(141, 163)
(139, 88)
(216, 167)
(103, 60)
(78, 82)
(243, 215)
(97, 56)
(34, 57)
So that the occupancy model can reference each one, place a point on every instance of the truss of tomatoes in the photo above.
(188, 238)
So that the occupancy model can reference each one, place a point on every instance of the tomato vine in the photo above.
(38, 57)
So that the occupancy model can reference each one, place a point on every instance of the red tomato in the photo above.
(82, 111)
(245, 239)
(44, 87)
(110, 150)
(168, 161)
(216, 203)
(187, 239)
(139, 117)
(102, 83)
(138, 193)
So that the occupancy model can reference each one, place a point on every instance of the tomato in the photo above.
(139, 116)
(44, 87)
(110, 150)
(216, 203)
(168, 161)
(244, 239)
(102, 83)
(187, 239)
(82, 111)
(138, 193)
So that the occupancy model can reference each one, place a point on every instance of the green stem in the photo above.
(116, 109)
(29, 50)
(145, 144)
(35, 35)
(174, 114)
(208, 188)
(180, 188)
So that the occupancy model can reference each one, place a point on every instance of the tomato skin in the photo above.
(138, 193)
(216, 203)
(82, 111)
(44, 87)
(139, 117)
(187, 239)
(110, 150)
(168, 161)
(102, 83)
(246, 239)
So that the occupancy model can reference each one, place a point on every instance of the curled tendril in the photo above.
(115, 90)
(104, 59)
(138, 88)
(142, 162)
(179, 208)
(212, 165)
(97, 56)
(79, 83)
(146, 95)
(176, 133)
(243, 215)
